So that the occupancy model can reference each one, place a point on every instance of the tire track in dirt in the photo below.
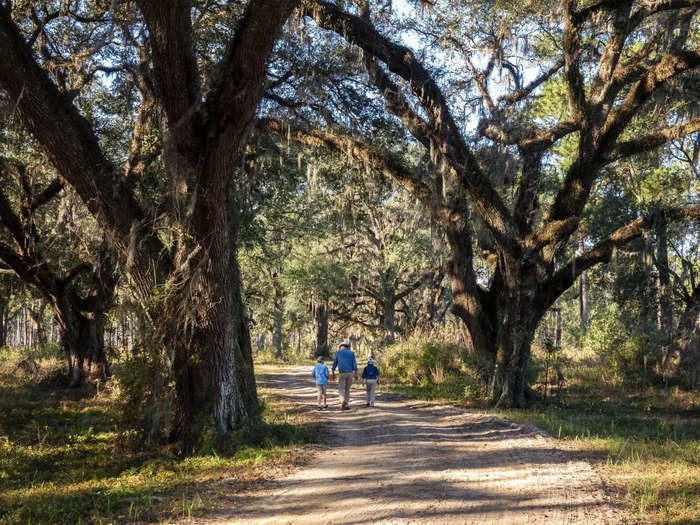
(408, 461)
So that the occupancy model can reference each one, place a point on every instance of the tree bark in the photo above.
(3, 324)
(664, 312)
(202, 324)
(278, 320)
(583, 284)
(686, 343)
(320, 314)
(37, 317)
(82, 339)
(388, 316)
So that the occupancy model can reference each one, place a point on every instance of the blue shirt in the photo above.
(345, 360)
(320, 372)
(370, 372)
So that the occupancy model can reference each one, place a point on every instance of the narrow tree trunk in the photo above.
(278, 320)
(687, 343)
(647, 319)
(3, 324)
(664, 313)
(37, 318)
(583, 284)
(388, 317)
(320, 313)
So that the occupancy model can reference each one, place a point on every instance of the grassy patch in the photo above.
(62, 460)
(647, 449)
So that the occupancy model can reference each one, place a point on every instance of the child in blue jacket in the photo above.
(370, 375)
(320, 372)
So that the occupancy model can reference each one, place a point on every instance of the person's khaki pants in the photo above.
(371, 390)
(344, 384)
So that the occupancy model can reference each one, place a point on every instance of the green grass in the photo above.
(644, 441)
(646, 445)
(62, 459)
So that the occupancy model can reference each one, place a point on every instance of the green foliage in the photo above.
(436, 369)
(290, 355)
(146, 395)
(626, 356)
(646, 443)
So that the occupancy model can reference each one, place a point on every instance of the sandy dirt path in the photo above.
(407, 461)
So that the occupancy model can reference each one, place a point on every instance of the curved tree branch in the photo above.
(452, 149)
(372, 157)
(602, 252)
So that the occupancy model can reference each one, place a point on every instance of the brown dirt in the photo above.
(408, 461)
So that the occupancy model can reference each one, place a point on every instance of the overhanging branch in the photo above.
(565, 277)
(370, 156)
(653, 140)
(451, 148)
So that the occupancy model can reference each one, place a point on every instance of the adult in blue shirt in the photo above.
(346, 363)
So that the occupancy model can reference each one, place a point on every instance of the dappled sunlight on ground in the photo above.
(411, 461)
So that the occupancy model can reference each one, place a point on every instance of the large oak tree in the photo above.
(613, 58)
(180, 257)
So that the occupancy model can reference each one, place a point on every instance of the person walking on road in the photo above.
(346, 363)
(370, 375)
(320, 373)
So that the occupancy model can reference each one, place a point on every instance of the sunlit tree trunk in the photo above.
(583, 284)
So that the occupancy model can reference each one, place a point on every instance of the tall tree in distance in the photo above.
(78, 296)
(180, 257)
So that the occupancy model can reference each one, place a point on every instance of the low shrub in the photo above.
(439, 369)
(290, 355)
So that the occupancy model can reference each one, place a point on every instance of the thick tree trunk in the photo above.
(519, 311)
(320, 313)
(213, 364)
(214, 369)
(499, 322)
(470, 304)
(82, 338)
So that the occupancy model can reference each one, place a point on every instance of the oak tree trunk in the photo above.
(82, 338)
(389, 316)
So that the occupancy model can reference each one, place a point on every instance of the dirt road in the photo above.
(414, 462)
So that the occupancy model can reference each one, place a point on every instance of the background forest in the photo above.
(497, 200)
